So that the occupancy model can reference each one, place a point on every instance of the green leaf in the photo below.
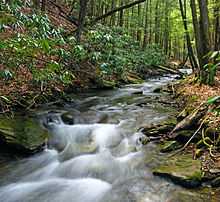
(5, 99)
(213, 100)
(45, 45)
(214, 54)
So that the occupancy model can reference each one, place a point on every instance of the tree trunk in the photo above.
(113, 16)
(7, 1)
(121, 15)
(146, 25)
(43, 5)
(196, 31)
(156, 40)
(166, 30)
(188, 40)
(82, 15)
(204, 40)
(217, 25)
(139, 24)
(36, 4)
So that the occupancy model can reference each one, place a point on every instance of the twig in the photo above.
(173, 89)
(204, 139)
(33, 101)
(184, 147)
(211, 154)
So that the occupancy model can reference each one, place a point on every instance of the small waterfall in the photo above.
(90, 161)
(56, 190)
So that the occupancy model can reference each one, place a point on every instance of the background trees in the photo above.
(186, 30)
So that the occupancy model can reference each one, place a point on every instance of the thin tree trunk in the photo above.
(217, 25)
(188, 40)
(139, 24)
(156, 40)
(196, 31)
(43, 5)
(146, 25)
(150, 21)
(204, 39)
(36, 4)
(113, 16)
(82, 15)
(166, 30)
(121, 15)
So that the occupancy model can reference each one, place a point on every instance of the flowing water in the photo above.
(95, 152)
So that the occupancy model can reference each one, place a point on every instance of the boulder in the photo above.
(21, 135)
(182, 170)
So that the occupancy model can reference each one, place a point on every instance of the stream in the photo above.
(95, 153)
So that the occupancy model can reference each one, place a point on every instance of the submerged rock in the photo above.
(181, 169)
(21, 135)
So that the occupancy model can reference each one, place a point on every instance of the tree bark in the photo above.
(204, 40)
(121, 15)
(157, 28)
(146, 25)
(188, 40)
(36, 4)
(43, 5)
(166, 30)
(196, 31)
(217, 25)
(139, 32)
(82, 15)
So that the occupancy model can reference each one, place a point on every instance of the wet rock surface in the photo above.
(181, 169)
(21, 135)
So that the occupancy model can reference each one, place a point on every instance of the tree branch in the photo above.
(62, 13)
(117, 9)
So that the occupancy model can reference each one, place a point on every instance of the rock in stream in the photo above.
(21, 135)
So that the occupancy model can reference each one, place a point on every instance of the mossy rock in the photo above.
(21, 135)
(157, 90)
(182, 170)
(108, 84)
(67, 118)
(198, 195)
(133, 78)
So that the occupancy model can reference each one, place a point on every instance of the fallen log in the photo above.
(191, 120)
(169, 70)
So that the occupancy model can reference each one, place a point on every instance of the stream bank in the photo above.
(191, 139)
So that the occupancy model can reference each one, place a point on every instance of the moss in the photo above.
(182, 170)
(108, 84)
(168, 146)
(21, 134)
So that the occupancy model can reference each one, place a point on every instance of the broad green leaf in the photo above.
(212, 100)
